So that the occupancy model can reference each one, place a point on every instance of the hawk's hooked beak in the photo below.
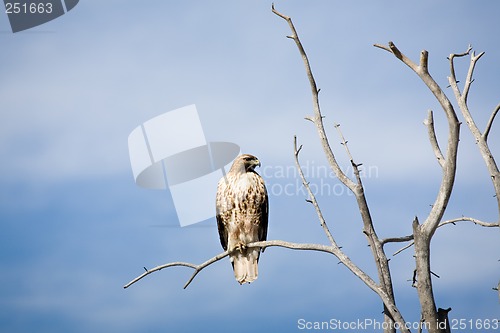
(257, 163)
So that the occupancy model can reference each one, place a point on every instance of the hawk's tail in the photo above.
(245, 266)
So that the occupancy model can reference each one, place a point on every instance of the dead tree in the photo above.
(422, 232)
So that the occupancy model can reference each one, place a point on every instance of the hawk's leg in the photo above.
(241, 247)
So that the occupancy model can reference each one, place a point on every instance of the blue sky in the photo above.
(75, 228)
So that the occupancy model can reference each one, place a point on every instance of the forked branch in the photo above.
(391, 314)
(481, 138)
(422, 233)
(317, 119)
(386, 298)
(449, 164)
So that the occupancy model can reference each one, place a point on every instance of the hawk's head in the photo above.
(245, 163)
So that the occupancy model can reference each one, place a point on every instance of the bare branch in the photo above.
(451, 221)
(383, 47)
(461, 97)
(317, 119)
(453, 80)
(294, 246)
(197, 268)
(404, 248)
(469, 48)
(429, 122)
(397, 239)
(469, 79)
(481, 139)
(424, 61)
(395, 51)
(279, 14)
(391, 313)
(335, 250)
(471, 219)
(355, 166)
(263, 245)
(449, 169)
(343, 142)
(312, 197)
(490, 122)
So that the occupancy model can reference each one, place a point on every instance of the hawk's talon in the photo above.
(241, 247)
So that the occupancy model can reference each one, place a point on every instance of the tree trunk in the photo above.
(424, 283)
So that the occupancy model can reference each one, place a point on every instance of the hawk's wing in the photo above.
(222, 232)
(221, 206)
(264, 208)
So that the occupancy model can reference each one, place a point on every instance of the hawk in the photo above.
(242, 213)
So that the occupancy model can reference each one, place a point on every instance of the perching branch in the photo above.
(335, 250)
(200, 267)
(197, 268)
